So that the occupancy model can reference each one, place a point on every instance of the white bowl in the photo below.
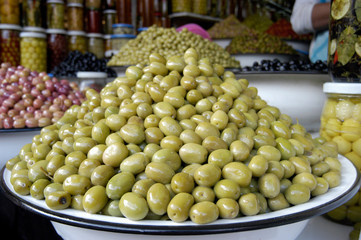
(300, 95)
(12, 140)
(283, 224)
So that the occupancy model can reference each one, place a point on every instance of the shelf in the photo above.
(181, 18)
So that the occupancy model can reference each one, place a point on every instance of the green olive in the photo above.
(204, 212)
(112, 209)
(269, 185)
(193, 153)
(249, 204)
(135, 163)
(237, 172)
(182, 182)
(297, 194)
(207, 175)
(159, 172)
(133, 206)
(119, 184)
(228, 208)
(277, 203)
(87, 166)
(114, 154)
(37, 188)
(76, 184)
(95, 199)
(179, 207)
(58, 200)
(142, 186)
(227, 188)
(158, 198)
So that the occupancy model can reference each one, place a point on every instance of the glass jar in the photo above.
(96, 44)
(55, 14)
(124, 11)
(57, 47)
(32, 14)
(181, 6)
(94, 80)
(341, 124)
(75, 17)
(9, 12)
(93, 4)
(107, 42)
(33, 51)
(75, 1)
(94, 22)
(344, 60)
(123, 28)
(34, 29)
(119, 40)
(10, 44)
(109, 17)
(77, 41)
(200, 7)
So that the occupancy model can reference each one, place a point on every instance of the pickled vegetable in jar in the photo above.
(55, 14)
(75, 17)
(344, 45)
(77, 41)
(123, 28)
(181, 6)
(94, 22)
(75, 1)
(32, 13)
(10, 44)
(33, 50)
(119, 40)
(57, 47)
(341, 124)
(124, 11)
(200, 6)
(9, 12)
(96, 44)
(93, 4)
(109, 17)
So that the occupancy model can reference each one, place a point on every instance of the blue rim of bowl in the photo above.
(191, 229)
(13, 130)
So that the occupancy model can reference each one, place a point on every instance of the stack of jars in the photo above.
(109, 18)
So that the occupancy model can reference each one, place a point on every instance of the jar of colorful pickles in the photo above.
(57, 47)
(55, 14)
(94, 21)
(341, 124)
(77, 41)
(9, 12)
(96, 44)
(10, 44)
(75, 17)
(33, 51)
(32, 14)
(123, 28)
(109, 17)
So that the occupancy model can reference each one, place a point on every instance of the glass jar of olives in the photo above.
(75, 17)
(10, 44)
(344, 45)
(32, 13)
(33, 50)
(109, 17)
(200, 7)
(341, 123)
(123, 28)
(9, 12)
(55, 14)
(57, 47)
(96, 44)
(119, 40)
(181, 6)
(77, 41)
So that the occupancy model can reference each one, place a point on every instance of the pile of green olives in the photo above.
(178, 139)
(168, 42)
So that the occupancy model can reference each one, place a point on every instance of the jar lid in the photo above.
(55, 1)
(10, 27)
(33, 34)
(55, 31)
(34, 29)
(123, 36)
(76, 33)
(109, 11)
(91, 75)
(342, 88)
(142, 29)
(74, 5)
(115, 25)
(95, 35)
(107, 36)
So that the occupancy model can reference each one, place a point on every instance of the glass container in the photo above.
(109, 17)
(57, 47)
(94, 80)
(77, 40)
(344, 60)
(75, 1)
(32, 13)
(341, 124)
(119, 40)
(181, 6)
(96, 44)
(200, 7)
(122, 28)
(55, 14)
(93, 4)
(33, 50)
(94, 22)
(9, 12)
(75, 17)
(124, 11)
(107, 42)
(10, 44)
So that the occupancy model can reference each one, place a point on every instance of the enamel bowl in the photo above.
(283, 224)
